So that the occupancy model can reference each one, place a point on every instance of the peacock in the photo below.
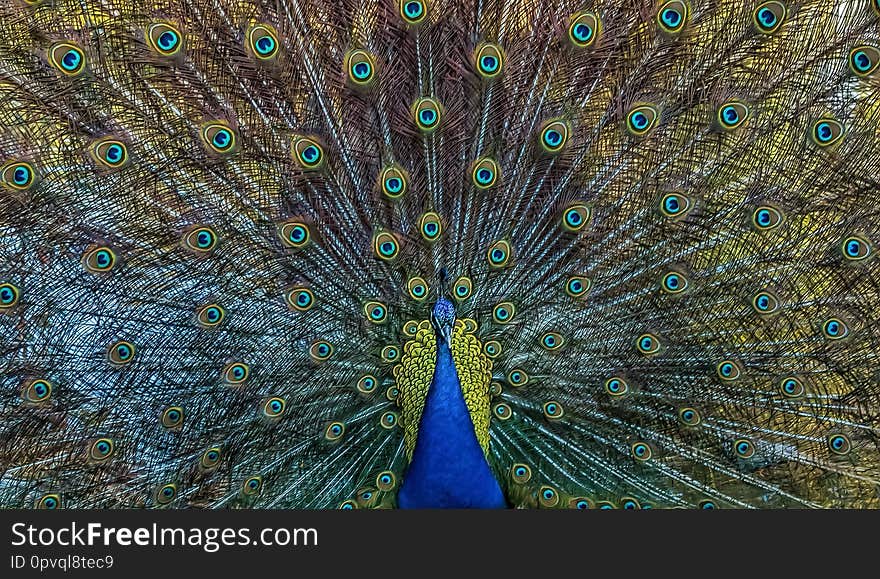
(439, 254)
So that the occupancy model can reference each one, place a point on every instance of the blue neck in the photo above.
(448, 468)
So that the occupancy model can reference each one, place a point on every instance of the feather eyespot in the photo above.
(390, 354)
(367, 384)
(553, 410)
(489, 60)
(520, 473)
(236, 373)
(219, 137)
(641, 451)
(728, 370)
(605, 506)
(642, 119)
(385, 246)
(674, 282)
(689, 416)
(252, 486)
(210, 316)
(707, 505)
(263, 41)
(389, 420)
(766, 218)
(616, 386)
(765, 303)
(120, 353)
(393, 182)
(67, 57)
(348, 505)
(839, 444)
(792, 387)
(492, 349)
(36, 391)
(648, 344)
(584, 29)
(856, 248)
(99, 260)
(548, 496)
(17, 176)
(427, 113)
(769, 16)
(202, 239)
(498, 254)
(580, 503)
(577, 286)
(294, 234)
(361, 67)
(835, 329)
(413, 11)
(392, 393)
(430, 226)
(575, 217)
(629, 504)
(417, 288)
(554, 136)
(827, 132)
(503, 312)
(496, 389)
(172, 417)
(101, 449)
(484, 173)
(744, 448)
(552, 341)
(386, 481)
(732, 115)
(410, 327)
(863, 60)
(320, 350)
(9, 296)
(308, 153)
(517, 377)
(166, 493)
(675, 205)
(48, 502)
(673, 16)
(274, 407)
(211, 458)
(164, 38)
(462, 288)
(376, 312)
(502, 411)
(109, 153)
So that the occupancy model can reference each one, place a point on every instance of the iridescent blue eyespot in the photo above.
(219, 137)
(17, 175)
(641, 451)
(791, 387)
(9, 296)
(835, 329)
(575, 217)
(361, 70)
(101, 449)
(236, 373)
(766, 218)
(675, 205)
(48, 502)
(553, 410)
(863, 60)
(489, 60)
(211, 458)
(99, 260)
(263, 41)
(554, 136)
(548, 497)
(552, 341)
(827, 132)
(642, 119)
(839, 444)
(334, 431)
(484, 173)
(427, 112)
(672, 16)
(728, 370)
(707, 505)
(689, 416)
(520, 473)
(164, 38)
(731, 115)
(674, 283)
(320, 350)
(172, 417)
(769, 16)
(294, 234)
(616, 386)
(856, 248)
(413, 11)
(36, 391)
(648, 344)
(744, 448)
(67, 57)
(583, 29)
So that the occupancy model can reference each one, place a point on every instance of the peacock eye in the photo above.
(36, 391)
(413, 11)
(99, 260)
(417, 288)
(765, 218)
(120, 353)
(732, 115)
(236, 373)
(308, 153)
(218, 136)
(728, 370)
(348, 505)
(101, 449)
(580, 503)
(393, 182)
(498, 254)
(575, 217)
(672, 16)
(584, 29)
(648, 344)
(9, 295)
(629, 504)
(427, 113)
(200, 239)
(462, 288)
(641, 451)
(166, 493)
(744, 448)
(675, 205)
(210, 316)
(263, 41)
(390, 354)
(430, 226)
(503, 313)
(366, 384)
(552, 341)
(17, 175)
(554, 136)
(577, 286)
(616, 386)
(605, 506)
(502, 411)
(863, 60)
(67, 57)
(835, 329)
(410, 327)
(839, 444)
(172, 417)
(49, 502)
(548, 497)
(765, 303)
(211, 458)
(385, 246)
(517, 377)
(689, 416)
(294, 234)
(641, 119)
(674, 283)
(769, 16)
(553, 410)
(164, 38)
(252, 486)
(856, 248)
(707, 505)
(274, 407)
(484, 173)
(520, 473)
(389, 420)
(792, 387)
(320, 350)
(361, 67)
(376, 312)
(827, 132)
(386, 480)
(109, 153)
(489, 60)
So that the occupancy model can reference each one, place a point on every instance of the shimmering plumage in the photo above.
(224, 225)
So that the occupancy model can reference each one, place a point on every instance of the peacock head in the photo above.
(443, 319)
